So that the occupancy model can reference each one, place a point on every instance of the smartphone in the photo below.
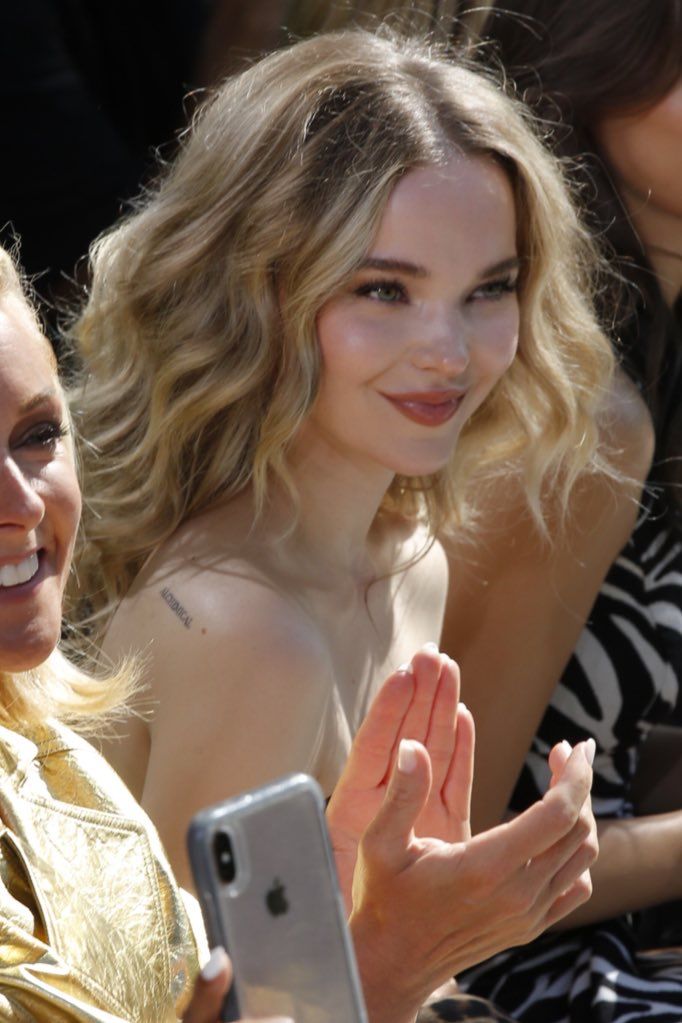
(266, 880)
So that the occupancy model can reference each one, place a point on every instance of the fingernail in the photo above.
(566, 747)
(463, 705)
(407, 758)
(431, 647)
(590, 750)
(406, 668)
(215, 964)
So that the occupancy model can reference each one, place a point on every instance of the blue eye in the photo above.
(495, 290)
(383, 291)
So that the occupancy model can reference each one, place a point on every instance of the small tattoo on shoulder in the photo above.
(176, 607)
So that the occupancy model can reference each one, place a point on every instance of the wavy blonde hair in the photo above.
(57, 688)
(198, 340)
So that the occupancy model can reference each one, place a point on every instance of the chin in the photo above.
(426, 460)
(27, 652)
(418, 468)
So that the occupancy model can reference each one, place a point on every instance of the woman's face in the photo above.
(39, 494)
(645, 151)
(428, 324)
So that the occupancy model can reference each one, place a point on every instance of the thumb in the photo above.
(210, 989)
(408, 791)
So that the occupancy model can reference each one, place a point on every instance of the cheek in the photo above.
(63, 503)
(500, 342)
(353, 348)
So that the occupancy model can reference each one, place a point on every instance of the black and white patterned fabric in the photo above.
(625, 676)
(462, 1009)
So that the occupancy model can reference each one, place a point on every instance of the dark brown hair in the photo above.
(574, 62)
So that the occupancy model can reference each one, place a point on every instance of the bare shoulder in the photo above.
(191, 608)
(240, 681)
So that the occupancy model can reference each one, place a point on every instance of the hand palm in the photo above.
(421, 704)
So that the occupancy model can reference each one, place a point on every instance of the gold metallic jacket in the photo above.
(93, 928)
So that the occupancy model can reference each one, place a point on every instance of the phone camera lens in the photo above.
(224, 857)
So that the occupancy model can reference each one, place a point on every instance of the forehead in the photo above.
(463, 207)
(27, 363)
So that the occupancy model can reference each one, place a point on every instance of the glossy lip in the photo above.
(10, 594)
(428, 408)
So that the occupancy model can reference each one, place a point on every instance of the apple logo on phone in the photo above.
(275, 899)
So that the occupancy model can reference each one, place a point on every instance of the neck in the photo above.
(338, 502)
(660, 232)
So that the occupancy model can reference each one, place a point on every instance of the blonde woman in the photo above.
(359, 293)
(93, 928)
(82, 940)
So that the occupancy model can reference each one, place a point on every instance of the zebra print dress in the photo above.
(625, 676)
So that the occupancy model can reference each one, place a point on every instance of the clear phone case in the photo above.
(266, 879)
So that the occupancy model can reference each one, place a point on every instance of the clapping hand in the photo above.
(419, 888)
(421, 702)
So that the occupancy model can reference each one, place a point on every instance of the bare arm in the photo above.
(517, 604)
(639, 865)
(647, 848)
(237, 699)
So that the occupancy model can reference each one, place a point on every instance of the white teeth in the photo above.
(14, 575)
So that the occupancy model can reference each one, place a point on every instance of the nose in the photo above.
(20, 506)
(444, 345)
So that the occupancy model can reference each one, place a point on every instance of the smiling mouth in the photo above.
(19, 573)
(428, 408)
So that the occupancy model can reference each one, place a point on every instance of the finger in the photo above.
(557, 868)
(370, 757)
(558, 757)
(210, 989)
(440, 739)
(426, 668)
(578, 893)
(583, 858)
(549, 864)
(550, 819)
(460, 779)
(581, 861)
(391, 832)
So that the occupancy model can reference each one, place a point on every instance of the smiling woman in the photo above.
(41, 481)
(299, 359)
(66, 822)
(428, 323)
(41, 502)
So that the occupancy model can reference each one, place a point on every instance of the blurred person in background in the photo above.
(597, 616)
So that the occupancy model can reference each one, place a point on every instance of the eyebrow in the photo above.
(415, 270)
(396, 265)
(513, 263)
(42, 398)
